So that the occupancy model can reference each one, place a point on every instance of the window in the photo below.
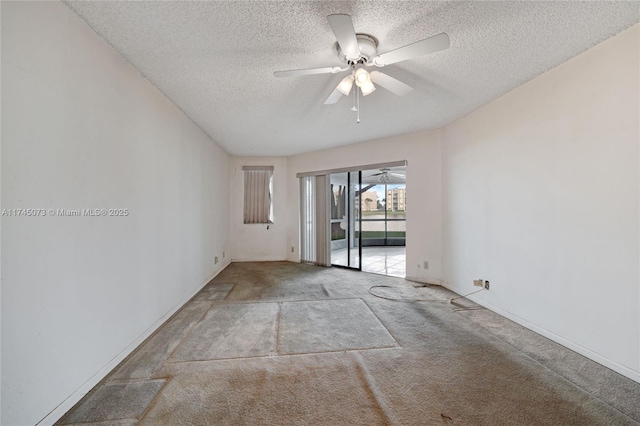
(257, 194)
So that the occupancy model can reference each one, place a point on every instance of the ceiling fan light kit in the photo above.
(362, 78)
(358, 51)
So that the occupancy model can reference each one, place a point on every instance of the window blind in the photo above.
(257, 194)
(314, 220)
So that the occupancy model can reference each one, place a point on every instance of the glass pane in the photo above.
(338, 205)
(396, 201)
(373, 229)
(373, 201)
(354, 204)
(397, 229)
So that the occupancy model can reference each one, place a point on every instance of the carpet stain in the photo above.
(446, 419)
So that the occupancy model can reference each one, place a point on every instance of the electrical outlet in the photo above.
(486, 285)
(478, 283)
(215, 260)
(292, 249)
(426, 265)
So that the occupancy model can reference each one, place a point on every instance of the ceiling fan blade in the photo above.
(333, 97)
(398, 175)
(309, 71)
(342, 27)
(419, 48)
(383, 171)
(390, 83)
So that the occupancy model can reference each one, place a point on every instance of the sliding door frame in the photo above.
(351, 222)
(353, 168)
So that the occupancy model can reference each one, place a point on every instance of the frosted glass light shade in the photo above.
(345, 85)
(367, 88)
(362, 77)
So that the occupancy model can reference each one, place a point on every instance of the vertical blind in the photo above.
(257, 194)
(314, 220)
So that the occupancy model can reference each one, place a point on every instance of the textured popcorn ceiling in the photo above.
(215, 60)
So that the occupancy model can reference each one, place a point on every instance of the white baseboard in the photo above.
(259, 260)
(423, 280)
(618, 368)
(57, 413)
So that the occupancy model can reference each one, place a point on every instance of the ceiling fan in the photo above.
(359, 51)
(384, 174)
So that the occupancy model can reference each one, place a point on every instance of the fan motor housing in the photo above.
(368, 49)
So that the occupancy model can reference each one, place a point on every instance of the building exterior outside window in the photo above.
(396, 199)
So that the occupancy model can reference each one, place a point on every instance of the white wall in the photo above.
(541, 197)
(422, 151)
(259, 242)
(82, 129)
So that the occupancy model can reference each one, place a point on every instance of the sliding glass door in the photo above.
(345, 219)
(355, 217)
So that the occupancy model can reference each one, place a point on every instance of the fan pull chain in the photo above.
(357, 106)
(354, 108)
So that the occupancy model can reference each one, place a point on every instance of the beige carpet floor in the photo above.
(278, 343)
